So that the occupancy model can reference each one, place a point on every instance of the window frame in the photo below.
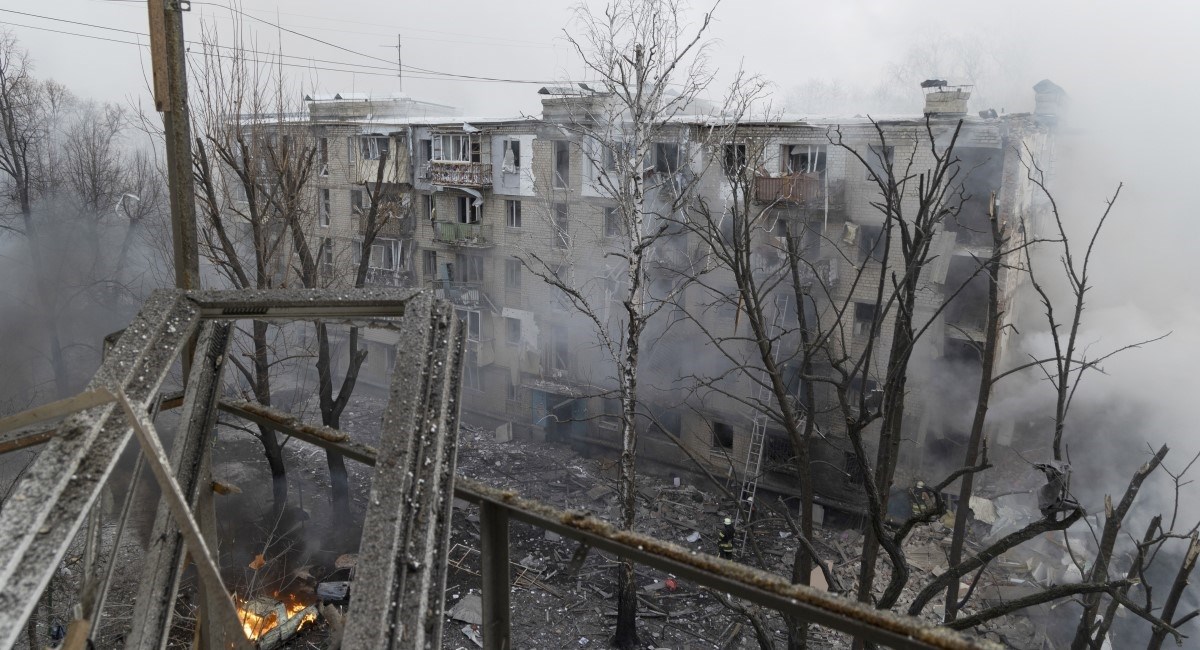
(512, 212)
(324, 207)
(561, 158)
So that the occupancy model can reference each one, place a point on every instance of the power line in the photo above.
(433, 74)
(369, 56)
(201, 43)
(249, 60)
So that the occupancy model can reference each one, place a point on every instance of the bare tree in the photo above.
(650, 68)
(252, 164)
(384, 206)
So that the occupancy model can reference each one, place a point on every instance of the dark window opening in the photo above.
(870, 243)
(803, 159)
(864, 317)
(469, 268)
(879, 160)
(562, 164)
(722, 435)
(666, 157)
(735, 159)
(468, 210)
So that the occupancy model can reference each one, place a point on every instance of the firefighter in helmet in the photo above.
(725, 540)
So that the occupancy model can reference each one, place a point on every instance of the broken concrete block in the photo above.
(333, 592)
(552, 536)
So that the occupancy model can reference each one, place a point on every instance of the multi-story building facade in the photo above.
(487, 205)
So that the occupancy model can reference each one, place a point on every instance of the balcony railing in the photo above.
(463, 174)
(793, 188)
(386, 278)
(477, 235)
(465, 294)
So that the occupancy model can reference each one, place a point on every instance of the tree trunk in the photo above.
(988, 358)
(271, 447)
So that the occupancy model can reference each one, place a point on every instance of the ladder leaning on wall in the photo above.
(758, 420)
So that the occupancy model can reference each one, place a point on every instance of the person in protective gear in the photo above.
(725, 540)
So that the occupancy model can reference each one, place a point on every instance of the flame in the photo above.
(259, 616)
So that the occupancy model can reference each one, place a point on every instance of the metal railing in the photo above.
(468, 294)
(792, 188)
(52, 499)
(463, 234)
(461, 173)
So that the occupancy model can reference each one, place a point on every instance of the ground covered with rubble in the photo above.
(563, 595)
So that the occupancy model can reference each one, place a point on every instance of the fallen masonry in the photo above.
(400, 574)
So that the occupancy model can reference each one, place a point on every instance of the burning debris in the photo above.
(270, 622)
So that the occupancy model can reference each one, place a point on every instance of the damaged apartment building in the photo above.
(471, 200)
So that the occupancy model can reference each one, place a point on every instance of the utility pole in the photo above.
(171, 99)
(169, 64)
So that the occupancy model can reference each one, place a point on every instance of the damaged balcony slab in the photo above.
(159, 581)
(399, 596)
(52, 499)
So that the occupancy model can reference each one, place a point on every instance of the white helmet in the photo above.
(728, 521)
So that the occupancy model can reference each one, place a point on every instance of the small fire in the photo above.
(261, 614)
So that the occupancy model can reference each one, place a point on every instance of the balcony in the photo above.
(459, 173)
(472, 235)
(386, 278)
(463, 294)
(808, 190)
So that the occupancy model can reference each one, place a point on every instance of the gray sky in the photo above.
(1131, 72)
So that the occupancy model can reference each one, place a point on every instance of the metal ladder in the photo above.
(758, 423)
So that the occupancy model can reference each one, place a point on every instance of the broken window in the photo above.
(879, 160)
(562, 225)
(374, 147)
(512, 274)
(428, 203)
(870, 243)
(470, 321)
(778, 450)
(512, 330)
(469, 268)
(803, 159)
(722, 435)
(666, 157)
(326, 254)
(513, 208)
(735, 159)
(512, 157)
(668, 420)
(429, 265)
(558, 352)
(356, 201)
(469, 210)
(323, 208)
(855, 395)
(864, 316)
(385, 254)
(323, 156)
(458, 148)
(512, 392)
(350, 150)
(562, 164)
(612, 223)
(471, 369)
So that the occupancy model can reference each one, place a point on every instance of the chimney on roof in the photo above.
(1050, 100)
(943, 99)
